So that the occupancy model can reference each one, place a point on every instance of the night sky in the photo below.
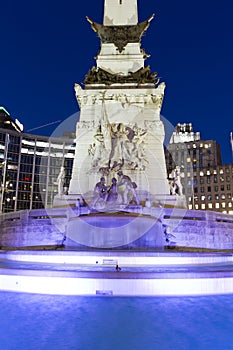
(48, 46)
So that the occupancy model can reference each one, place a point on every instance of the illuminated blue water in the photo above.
(35, 322)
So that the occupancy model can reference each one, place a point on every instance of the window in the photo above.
(217, 197)
(203, 206)
(217, 205)
(209, 197)
(209, 188)
(222, 187)
(210, 205)
(216, 188)
(202, 197)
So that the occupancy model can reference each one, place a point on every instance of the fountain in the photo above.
(119, 209)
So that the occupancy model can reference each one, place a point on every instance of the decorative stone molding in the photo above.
(126, 96)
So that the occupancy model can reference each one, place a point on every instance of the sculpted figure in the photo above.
(113, 192)
(175, 183)
(129, 188)
(101, 191)
(60, 181)
(119, 137)
(99, 152)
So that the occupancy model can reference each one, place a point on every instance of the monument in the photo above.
(120, 127)
(119, 165)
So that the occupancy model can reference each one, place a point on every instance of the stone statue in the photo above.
(113, 196)
(101, 192)
(129, 189)
(120, 36)
(176, 187)
(60, 181)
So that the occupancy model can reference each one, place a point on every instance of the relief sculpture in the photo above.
(117, 146)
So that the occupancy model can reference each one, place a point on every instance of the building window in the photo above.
(228, 187)
(223, 196)
(222, 187)
(196, 206)
(221, 171)
(215, 179)
(223, 205)
(230, 205)
(216, 188)
(209, 188)
(209, 197)
(203, 198)
(210, 205)
(202, 189)
(217, 205)
(203, 206)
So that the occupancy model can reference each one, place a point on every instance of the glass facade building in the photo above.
(29, 166)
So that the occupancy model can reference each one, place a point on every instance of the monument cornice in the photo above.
(147, 96)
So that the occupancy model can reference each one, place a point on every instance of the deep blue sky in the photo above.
(47, 46)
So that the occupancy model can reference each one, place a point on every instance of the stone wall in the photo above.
(171, 226)
(205, 229)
